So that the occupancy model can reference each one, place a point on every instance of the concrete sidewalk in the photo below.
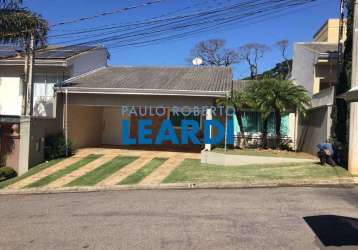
(333, 182)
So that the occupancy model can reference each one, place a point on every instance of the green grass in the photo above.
(143, 172)
(102, 172)
(192, 171)
(32, 171)
(267, 153)
(62, 172)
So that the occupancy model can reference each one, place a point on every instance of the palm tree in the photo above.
(257, 95)
(279, 95)
(17, 24)
(238, 101)
(20, 26)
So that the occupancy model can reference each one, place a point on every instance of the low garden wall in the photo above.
(227, 159)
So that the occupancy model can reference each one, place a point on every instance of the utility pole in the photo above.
(25, 79)
(353, 121)
(30, 80)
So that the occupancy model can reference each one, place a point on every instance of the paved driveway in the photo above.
(107, 155)
(280, 218)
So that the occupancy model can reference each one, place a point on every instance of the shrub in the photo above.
(55, 147)
(7, 173)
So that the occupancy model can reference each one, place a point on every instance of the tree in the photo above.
(340, 109)
(278, 96)
(280, 71)
(20, 26)
(214, 53)
(252, 53)
(238, 101)
(282, 46)
(17, 24)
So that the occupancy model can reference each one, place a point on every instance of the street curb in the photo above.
(342, 182)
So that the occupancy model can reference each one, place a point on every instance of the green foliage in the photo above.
(269, 94)
(238, 100)
(278, 96)
(55, 147)
(17, 24)
(340, 111)
(280, 71)
(7, 173)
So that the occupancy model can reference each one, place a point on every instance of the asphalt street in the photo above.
(261, 218)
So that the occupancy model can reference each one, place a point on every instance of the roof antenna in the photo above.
(197, 61)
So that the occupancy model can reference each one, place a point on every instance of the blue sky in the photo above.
(298, 25)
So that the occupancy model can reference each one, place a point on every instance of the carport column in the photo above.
(66, 122)
(209, 116)
(353, 125)
(25, 142)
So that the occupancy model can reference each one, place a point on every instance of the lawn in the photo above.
(102, 172)
(62, 172)
(32, 171)
(192, 171)
(143, 172)
(266, 152)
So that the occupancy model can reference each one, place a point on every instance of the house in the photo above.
(315, 68)
(52, 65)
(75, 92)
(95, 99)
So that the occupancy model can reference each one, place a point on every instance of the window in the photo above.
(252, 122)
(44, 95)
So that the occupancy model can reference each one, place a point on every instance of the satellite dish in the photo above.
(197, 61)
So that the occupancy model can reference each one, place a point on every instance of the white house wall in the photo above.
(10, 96)
(87, 61)
(303, 67)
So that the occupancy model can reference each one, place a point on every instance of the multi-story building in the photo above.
(53, 65)
(315, 67)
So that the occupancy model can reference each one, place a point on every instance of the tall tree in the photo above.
(278, 96)
(252, 53)
(340, 110)
(214, 53)
(282, 46)
(22, 27)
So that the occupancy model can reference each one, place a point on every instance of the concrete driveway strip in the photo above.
(80, 172)
(61, 165)
(162, 171)
(125, 171)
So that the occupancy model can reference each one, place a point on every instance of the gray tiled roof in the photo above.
(322, 47)
(240, 85)
(205, 79)
(51, 52)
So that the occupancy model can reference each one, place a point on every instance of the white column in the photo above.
(209, 116)
(353, 125)
(353, 139)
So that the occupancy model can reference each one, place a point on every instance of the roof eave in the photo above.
(39, 62)
(151, 92)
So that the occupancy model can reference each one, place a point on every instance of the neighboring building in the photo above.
(315, 68)
(53, 65)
